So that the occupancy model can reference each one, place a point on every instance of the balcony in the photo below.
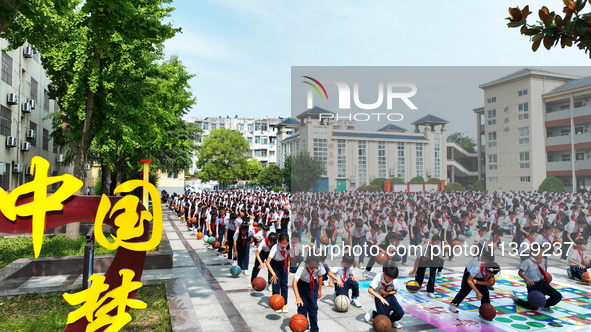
(566, 165)
(561, 140)
(558, 115)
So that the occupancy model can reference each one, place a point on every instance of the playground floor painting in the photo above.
(573, 313)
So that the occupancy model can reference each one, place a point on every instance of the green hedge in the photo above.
(397, 180)
(480, 185)
(433, 180)
(454, 186)
(552, 184)
(417, 179)
(378, 182)
(370, 188)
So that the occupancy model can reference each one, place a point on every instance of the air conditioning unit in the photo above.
(28, 170)
(25, 146)
(33, 103)
(59, 158)
(28, 51)
(392, 172)
(11, 141)
(18, 168)
(429, 173)
(31, 133)
(26, 108)
(12, 99)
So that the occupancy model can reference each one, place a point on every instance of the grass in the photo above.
(48, 312)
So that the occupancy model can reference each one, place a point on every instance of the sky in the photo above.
(242, 51)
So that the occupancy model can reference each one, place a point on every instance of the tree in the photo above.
(270, 176)
(551, 29)
(251, 170)
(222, 156)
(178, 146)
(454, 186)
(552, 184)
(433, 180)
(378, 182)
(305, 171)
(417, 179)
(480, 185)
(397, 180)
(467, 143)
(286, 173)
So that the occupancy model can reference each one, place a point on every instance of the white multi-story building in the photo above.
(24, 106)
(353, 158)
(525, 130)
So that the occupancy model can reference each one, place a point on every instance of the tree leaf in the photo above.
(548, 41)
(537, 37)
(581, 27)
(536, 45)
(516, 24)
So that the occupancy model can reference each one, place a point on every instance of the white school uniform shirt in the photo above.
(276, 253)
(345, 232)
(475, 271)
(531, 270)
(541, 239)
(303, 273)
(378, 283)
(359, 233)
(260, 235)
(296, 249)
(574, 255)
(263, 247)
(341, 272)
(249, 233)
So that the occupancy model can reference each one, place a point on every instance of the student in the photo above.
(262, 254)
(345, 232)
(481, 238)
(379, 239)
(261, 234)
(345, 278)
(296, 252)
(427, 260)
(476, 278)
(278, 265)
(359, 236)
(307, 287)
(315, 230)
(531, 271)
(233, 226)
(573, 231)
(577, 260)
(331, 229)
(383, 287)
(241, 242)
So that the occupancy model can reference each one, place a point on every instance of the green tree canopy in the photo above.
(397, 180)
(433, 180)
(378, 182)
(286, 173)
(467, 143)
(270, 176)
(552, 184)
(480, 185)
(454, 186)
(305, 171)
(417, 179)
(251, 169)
(222, 156)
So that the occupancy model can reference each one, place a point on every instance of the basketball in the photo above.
(211, 240)
(324, 239)
(235, 270)
(298, 323)
(413, 286)
(342, 303)
(258, 284)
(547, 277)
(491, 281)
(536, 299)
(382, 323)
(381, 258)
(199, 235)
(456, 243)
(586, 277)
(205, 238)
(487, 311)
(276, 302)
(215, 244)
(182, 217)
(461, 238)
(255, 224)
(470, 223)
(468, 233)
(434, 232)
(224, 248)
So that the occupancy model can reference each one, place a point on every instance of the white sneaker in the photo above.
(270, 288)
(453, 308)
(229, 261)
(355, 302)
(284, 310)
(369, 316)
(431, 295)
(246, 273)
(366, 273)
(325, 283)
(279, 311)
(396, 325)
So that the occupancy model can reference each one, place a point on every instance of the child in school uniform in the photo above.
(261, 234)
(307, 287)
(261, 255)
(425, 260)
(296, 252)
(278, 265)
(476, 278)
(241, 243)
(383, 287)
(345, 278)
(531, 270)
(577, 260)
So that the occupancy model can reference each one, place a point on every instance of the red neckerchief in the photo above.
(578, 232)
(484, 275)
(244, 238)
(360, 233)
(581, 254)
(372, 235)
(547, 239)
(284, 254)
(496, 239)
(344, 276)
(348, 231)
(267, 242)
(401, 224)
(312, 279)
(332, 229)
(539, 267)
(386, 286)
(530, 240)
(420, 228)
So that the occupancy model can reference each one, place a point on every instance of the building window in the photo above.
(565, 157)
(523, 132)
(492, 136)
(523, 108)
(264, 164)
(272, 139)
(263, 153)
(578, 130)
(524, 156)
(264, 139)
(341, 158)
(263, 127)
(320, 145)
(523, 116)
(565, 132)
(257, 126)
(6, 68)
(578, 104)
(257, 140)
(491, 114)
(382, 165)
(271, 153)
(580, 156)
(45, 139)
(492, 144)
(45, 100)
(437, 159)
(34, 89)
(33, 125)
(522, 93)
(492, 179)
(491, 100)
(492, 158)
(492, 167)
(249, 127)
(524, 141)
(419, 155)
(241, 127)
(5, 121)
(525, 178)
(213, 126)
(5, 176)
(249, 139)
(401, 162)
(362, 157)
(222, 125)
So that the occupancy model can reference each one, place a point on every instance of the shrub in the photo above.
(454, 186)
(433, 180)
(277, 189)
(417, 179)
(378, 182)
(397, 180)
(369, 188)
(552, 184)
(480, 185)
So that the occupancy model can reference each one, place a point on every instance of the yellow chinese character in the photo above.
(93, 309)
(41, 204)
(129, 224)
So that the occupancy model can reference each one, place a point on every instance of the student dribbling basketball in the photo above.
(307, 287)
(278, 265)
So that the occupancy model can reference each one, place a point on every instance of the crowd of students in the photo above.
(274, 224)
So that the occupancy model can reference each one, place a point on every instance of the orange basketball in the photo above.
(470, 223)
(382, 323)
(456, 243)
(491, 281)
(276, 302)
(215, 244)
(199, 235)
(258, 284)
(298, 323)
(586, 277)
(255, 224)
(324, 239)
(487, 311)
(381, 258)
